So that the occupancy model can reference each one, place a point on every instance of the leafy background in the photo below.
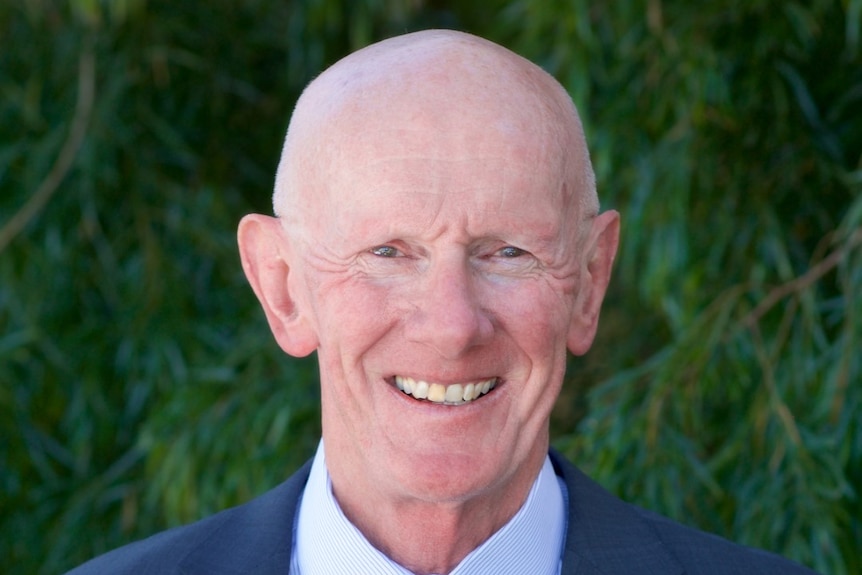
(139, 385)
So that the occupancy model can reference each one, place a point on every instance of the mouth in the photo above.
(453, 394)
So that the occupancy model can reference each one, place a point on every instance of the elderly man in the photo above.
(438, 243)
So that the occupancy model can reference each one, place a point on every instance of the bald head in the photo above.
(436, 82)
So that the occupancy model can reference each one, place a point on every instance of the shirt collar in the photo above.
(327, 542)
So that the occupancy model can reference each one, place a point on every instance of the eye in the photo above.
(511, 252)
(385, 252)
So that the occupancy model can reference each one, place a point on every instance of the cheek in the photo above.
(535, 321)
(352, 320)
(352, 314)
(535, 314)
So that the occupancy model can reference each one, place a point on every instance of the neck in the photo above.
(430, 536)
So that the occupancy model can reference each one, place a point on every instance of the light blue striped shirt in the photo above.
(327, 543)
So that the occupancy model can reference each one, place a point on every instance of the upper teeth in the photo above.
(454, 394)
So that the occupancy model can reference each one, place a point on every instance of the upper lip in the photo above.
(445, 381)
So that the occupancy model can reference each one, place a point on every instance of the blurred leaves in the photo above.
(139, 385)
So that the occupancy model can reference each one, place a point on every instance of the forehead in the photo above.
(414, 180)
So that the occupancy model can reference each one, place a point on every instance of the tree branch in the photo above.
(68, 152)
(798, 284)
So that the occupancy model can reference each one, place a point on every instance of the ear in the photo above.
(263, 245)
(600, 251)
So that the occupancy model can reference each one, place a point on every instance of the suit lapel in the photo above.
(255, 538)
(605, 535)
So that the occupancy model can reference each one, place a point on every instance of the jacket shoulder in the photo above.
(607, 535)
(229, 541)
(160, 553)
(703, 553)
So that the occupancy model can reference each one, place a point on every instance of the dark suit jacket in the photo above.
(604, 536)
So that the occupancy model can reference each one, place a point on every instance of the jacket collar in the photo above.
(606, 535)
(254, 538)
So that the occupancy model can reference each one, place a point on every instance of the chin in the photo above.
(448, 477)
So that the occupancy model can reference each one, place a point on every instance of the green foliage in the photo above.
(139, 385)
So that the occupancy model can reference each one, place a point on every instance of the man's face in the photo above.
(444, 260)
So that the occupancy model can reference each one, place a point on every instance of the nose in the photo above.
(450, 313)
